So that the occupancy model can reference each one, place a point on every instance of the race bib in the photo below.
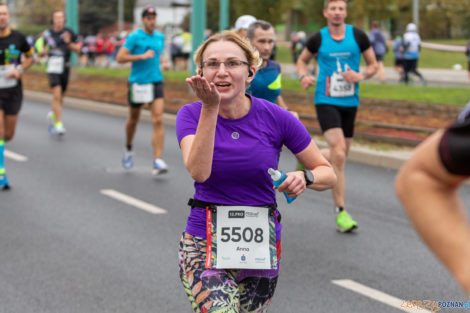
(142, 93)
(4, 81)
(339, 87)
(241, 237)
(55, 65)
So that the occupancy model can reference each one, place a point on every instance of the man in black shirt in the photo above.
(59, 42)
(427, 186)
(13, 45)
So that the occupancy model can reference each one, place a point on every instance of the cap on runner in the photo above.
(148, 11)
(244, 21)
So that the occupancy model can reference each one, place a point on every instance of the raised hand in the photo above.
(204, 90)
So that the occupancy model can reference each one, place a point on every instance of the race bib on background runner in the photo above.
(55, 65)
(241, 237)
(339, 87)
(142, 93)
(4, 81)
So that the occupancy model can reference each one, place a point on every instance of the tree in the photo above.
(35, 16)
(269, 10)
(438, 18)
(96, 14)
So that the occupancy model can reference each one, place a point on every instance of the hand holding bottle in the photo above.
(278, 178)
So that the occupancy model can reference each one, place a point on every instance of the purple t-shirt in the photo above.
(244, 150)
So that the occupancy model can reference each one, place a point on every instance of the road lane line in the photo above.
(377, 295)
(133, 201)
(15, 156)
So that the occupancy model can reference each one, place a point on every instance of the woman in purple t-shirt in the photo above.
(229, 140)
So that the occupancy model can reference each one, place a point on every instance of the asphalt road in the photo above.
(67, 247)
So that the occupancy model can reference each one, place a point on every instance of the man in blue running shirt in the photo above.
(267, 82)
(144, 48)
(338, 48)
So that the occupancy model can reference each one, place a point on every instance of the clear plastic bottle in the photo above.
(278, 177)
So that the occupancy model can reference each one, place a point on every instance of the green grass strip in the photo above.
(434, 95)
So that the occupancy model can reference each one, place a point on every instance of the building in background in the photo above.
(169, 12)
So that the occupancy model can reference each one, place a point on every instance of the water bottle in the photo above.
(278, 177)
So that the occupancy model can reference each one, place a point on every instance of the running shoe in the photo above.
(159, 167)
(59, 129)
(127, 160)
(4, 185)
(50, 122)
(345, 223)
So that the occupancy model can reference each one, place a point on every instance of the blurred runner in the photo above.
(427, 186)
(59, 42)
(13, 48)
(338, 48)
(267, 82)
(144, 48)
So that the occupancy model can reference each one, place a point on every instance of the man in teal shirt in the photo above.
(144, 48)
(337, 48)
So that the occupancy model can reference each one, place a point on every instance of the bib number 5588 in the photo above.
(237, 234)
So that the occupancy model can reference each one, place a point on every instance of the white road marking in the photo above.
(15, 156)
(378, 295)
(133, 201)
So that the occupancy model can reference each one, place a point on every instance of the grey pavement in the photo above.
(434, 77)
(65, 247)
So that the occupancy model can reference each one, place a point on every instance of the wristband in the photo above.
(301, 77)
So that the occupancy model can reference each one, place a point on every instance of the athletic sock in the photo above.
(2, 157)
(129, 147)
(339, 209)
(58, 124)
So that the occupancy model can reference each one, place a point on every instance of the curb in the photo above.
(386, 159)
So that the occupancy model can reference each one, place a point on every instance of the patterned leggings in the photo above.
(217, 290)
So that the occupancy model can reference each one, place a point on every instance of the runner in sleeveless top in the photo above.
(13, 46)
(229, 140)
(267, 82)
(144, 48)
(338, 48)
(427, 186)
(59, 42)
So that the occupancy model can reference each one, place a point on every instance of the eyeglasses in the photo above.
(228, 64)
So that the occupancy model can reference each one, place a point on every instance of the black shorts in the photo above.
(379, 57)
(11, 99)
(332, 116)
(157, 93)
(60, 79)
(410, 65)
(454, 148)
(398, 62)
